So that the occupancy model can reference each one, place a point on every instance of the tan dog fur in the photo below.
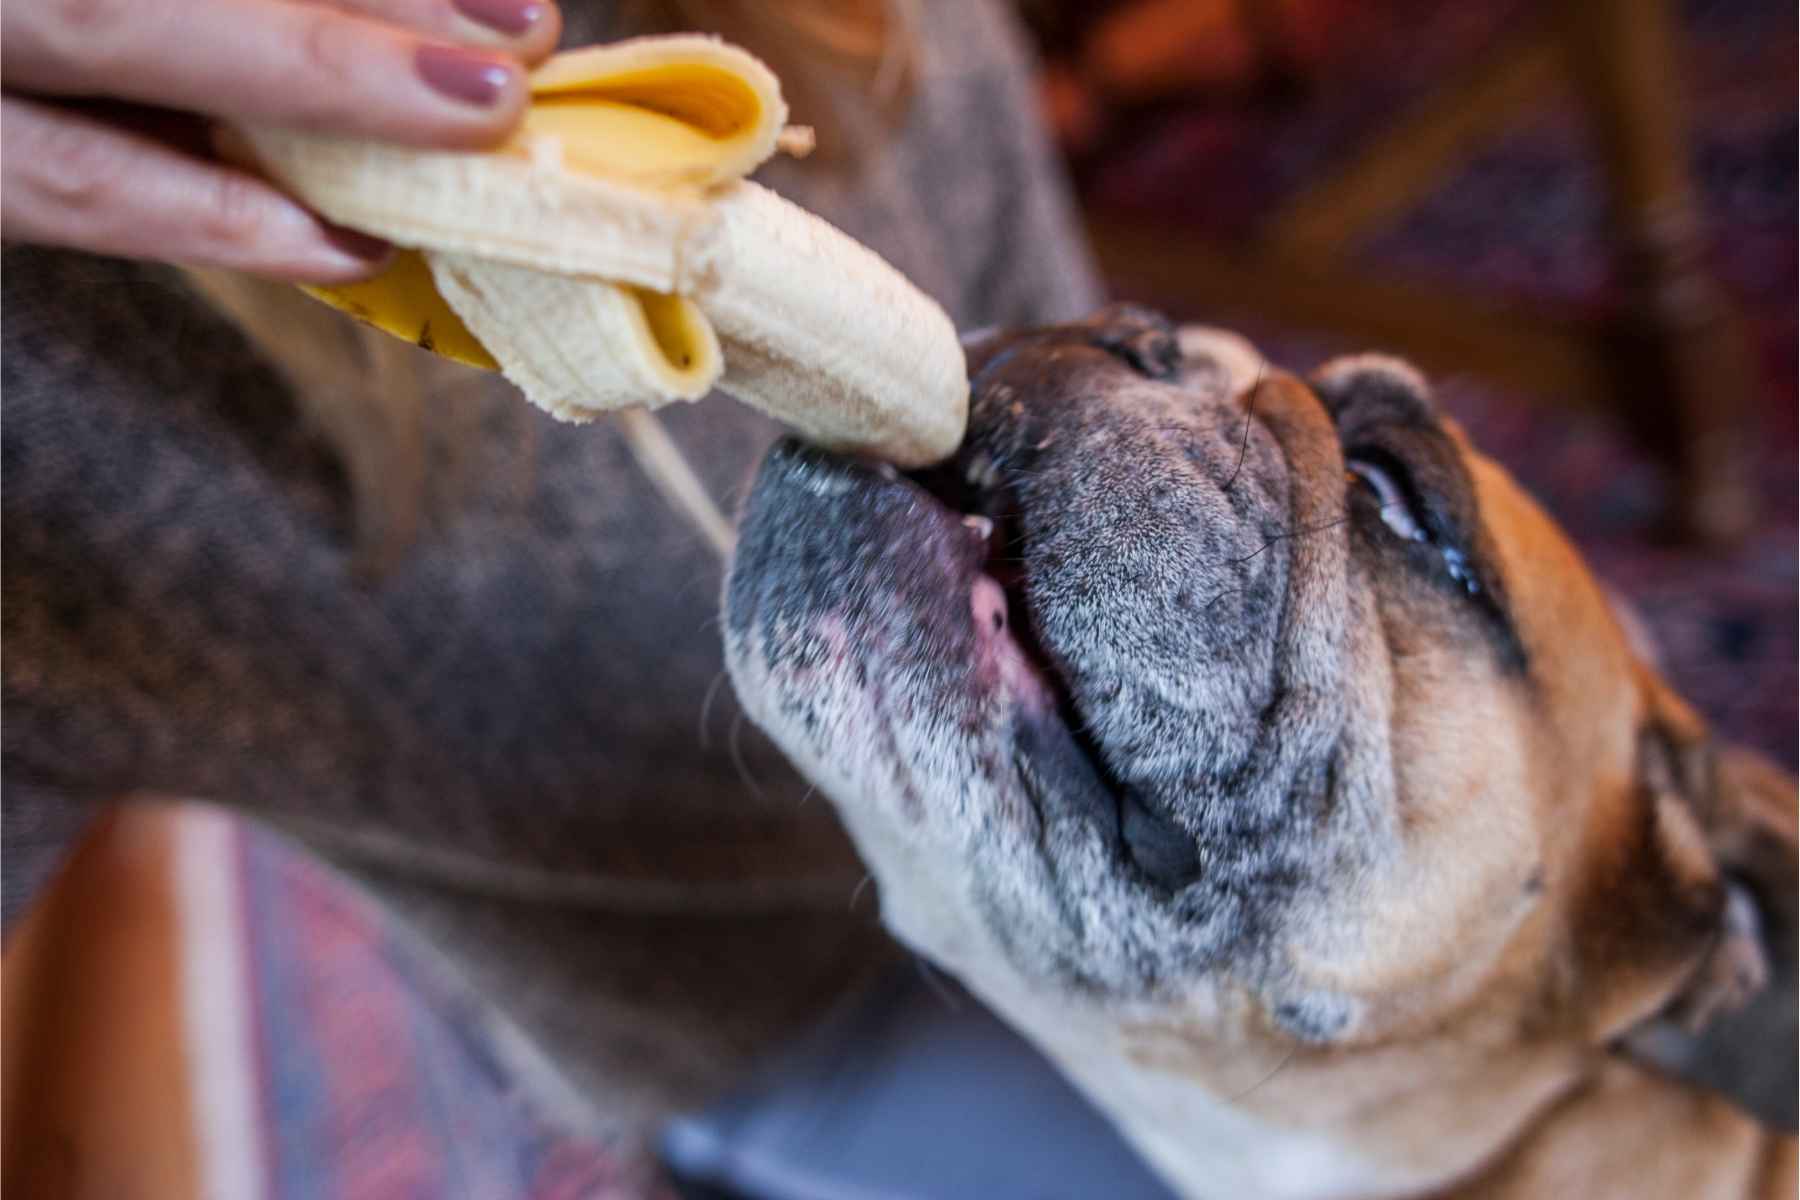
(1573, 830)
(1523, 1051)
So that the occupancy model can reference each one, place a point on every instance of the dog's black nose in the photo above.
(1142, 337)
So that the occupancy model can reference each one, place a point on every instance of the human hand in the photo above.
(106, 110)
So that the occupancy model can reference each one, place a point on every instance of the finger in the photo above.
(526, 29)
(69, 180)
(266, 61)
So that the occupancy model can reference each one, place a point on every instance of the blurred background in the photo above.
(1580, 218)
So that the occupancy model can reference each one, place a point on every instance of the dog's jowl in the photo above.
(1258, 749)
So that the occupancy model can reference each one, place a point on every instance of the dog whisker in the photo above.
(929, 974)
(735, 744)
(687, 587)
(1282, 537)
(1220, 595)
(1279, 1067)
(712, 693)
(1249, 412)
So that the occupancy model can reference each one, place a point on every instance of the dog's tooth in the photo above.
(983, 527)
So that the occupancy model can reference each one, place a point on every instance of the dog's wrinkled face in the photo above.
(1196, 704)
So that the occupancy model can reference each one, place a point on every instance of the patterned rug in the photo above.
(374, 1082)
(374, 1085)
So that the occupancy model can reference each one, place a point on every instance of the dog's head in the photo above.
(1218, 725)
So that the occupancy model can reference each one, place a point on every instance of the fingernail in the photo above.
(357, 252)
(511, 17)
(464, 75)
(359, 246)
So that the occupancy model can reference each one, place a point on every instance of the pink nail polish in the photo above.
(511, 17)
(358, 245)
(463, 74)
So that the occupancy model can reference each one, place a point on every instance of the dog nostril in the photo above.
(1143, 339)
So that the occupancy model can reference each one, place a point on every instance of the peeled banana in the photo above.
(575, 345)
(612, 255)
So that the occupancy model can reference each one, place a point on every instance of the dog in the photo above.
(1263, 754)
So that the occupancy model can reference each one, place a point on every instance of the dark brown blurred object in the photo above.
(96, 1085)
(1113, 61)
(1671, 358)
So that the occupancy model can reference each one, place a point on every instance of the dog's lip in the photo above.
(959, 509)
(993, 581)
(1010, 660)
(970, 490)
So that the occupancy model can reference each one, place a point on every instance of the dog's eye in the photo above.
(1403, 511)
(1393, 495)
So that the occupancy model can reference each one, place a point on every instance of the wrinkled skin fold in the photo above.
(1259, 750)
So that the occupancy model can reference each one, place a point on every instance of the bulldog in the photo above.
(1267, 757)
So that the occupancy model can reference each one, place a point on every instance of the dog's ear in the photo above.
(1731, 1025)
(1751, 828)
